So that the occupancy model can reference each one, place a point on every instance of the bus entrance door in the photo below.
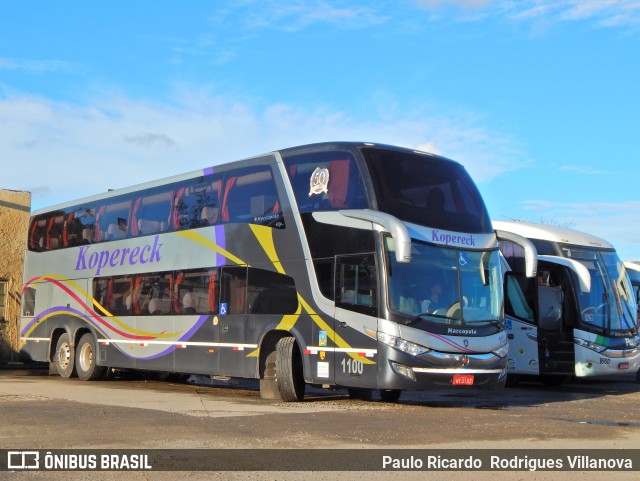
(356, 320)
(555, 340)
(522, 332)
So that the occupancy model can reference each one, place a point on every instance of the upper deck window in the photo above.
(426, 190)
(326, 181)
(244, 195)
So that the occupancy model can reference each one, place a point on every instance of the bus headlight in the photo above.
(589, 345)
(401, 344)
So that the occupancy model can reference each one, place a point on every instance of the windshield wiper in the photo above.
(439, 316)
(491, 322)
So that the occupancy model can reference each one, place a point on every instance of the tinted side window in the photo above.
(29, 301)
(514, 255)
(79, 227)
(197, 203)
(250, 196)
(325, 273)
(326, 181)
(356, 287)
(327, 241)
(114, 294)
(270, 293)
(152, 294)
(197, 292)
(152, 212)
(233, 286)
(112, 221)
(38, 233)
(545, 247)
(520, 297)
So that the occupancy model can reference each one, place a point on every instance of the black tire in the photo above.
(390, 395)
(360, 393)
(268, 384)
(289, 375)
(86, 353)
(65, 357)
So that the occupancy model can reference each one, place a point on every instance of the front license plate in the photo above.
(462, 380)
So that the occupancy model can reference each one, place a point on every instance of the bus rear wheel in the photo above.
(289, 374)
(65, 357)
(86, 365)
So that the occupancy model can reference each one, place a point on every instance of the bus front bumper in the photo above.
(439, 370)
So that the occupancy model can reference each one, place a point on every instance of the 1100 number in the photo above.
(352, 366)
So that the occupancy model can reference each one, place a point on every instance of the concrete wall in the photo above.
(15, 207)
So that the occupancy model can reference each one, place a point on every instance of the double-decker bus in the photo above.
(352, 265)
(578, 315)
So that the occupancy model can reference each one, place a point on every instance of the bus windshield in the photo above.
(426, 190)
(610, 305)
(445, 285)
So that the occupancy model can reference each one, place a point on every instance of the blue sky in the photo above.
(539, 99)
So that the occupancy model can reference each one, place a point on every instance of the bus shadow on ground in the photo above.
(526, 393)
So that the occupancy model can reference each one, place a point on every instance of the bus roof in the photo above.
(633, 266)
(552, 233)
(633, 270)
(336, 145)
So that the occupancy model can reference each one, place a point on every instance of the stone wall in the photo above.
(15, 207)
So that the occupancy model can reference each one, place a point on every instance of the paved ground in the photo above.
(38, 411)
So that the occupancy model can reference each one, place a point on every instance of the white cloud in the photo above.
(457, 3)
(600, 13)
(585, 170)
(38, 66)
(62, 151)
(297, 14)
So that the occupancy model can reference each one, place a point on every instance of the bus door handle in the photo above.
(225, 328)
(342, 324)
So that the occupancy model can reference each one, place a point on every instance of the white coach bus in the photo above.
(577, 316)
(309, 265)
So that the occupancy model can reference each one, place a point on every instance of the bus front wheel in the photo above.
(289, 375)
(65, 357)
(86, 365)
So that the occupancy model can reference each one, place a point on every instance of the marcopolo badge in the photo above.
(319, 182)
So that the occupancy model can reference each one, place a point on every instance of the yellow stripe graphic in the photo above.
(209, 244)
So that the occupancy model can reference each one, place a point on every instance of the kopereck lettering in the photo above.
(448, 239)
(98, 260)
